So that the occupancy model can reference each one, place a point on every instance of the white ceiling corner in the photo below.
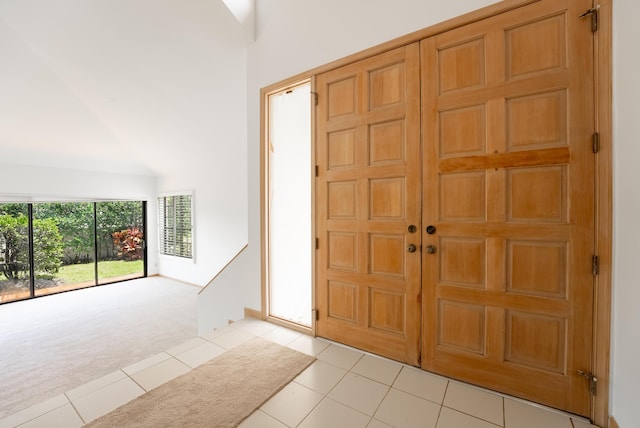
(245, 12)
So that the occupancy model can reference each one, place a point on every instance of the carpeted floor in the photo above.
(56, 343)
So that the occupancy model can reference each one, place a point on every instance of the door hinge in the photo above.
(317, 243)
(595, 144)
(595, 265)
(594, 18)
(315, 98)
(315, 314)
(317, 170)
(593, 381)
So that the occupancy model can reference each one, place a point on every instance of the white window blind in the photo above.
(175, 225)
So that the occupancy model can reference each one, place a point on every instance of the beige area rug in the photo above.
(220, 393)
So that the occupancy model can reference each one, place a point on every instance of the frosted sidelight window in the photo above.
(290, 216)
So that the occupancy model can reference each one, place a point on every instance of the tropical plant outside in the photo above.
(129, 243)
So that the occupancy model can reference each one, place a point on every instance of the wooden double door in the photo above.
(455, 203)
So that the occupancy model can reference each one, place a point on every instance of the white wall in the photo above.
(626, 220)
(297, 35)
(215, 167)
(220, 216)
(35, 183)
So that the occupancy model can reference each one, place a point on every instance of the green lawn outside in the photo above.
(73, 274)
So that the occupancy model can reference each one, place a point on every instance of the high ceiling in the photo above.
(114, 85)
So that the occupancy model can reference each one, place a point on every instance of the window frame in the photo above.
(162, 242)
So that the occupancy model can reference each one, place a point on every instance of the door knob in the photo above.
(431, 249)
(431, 229)
(412, 248)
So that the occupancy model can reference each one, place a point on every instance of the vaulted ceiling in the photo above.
(114, 85)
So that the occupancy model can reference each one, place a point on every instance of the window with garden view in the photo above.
(59, 246)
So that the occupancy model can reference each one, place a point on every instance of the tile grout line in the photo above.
(73, 406)
(134, 381)
(504, 413)
(71, 402)
(446, 388)
(93, 392)
(389, 387)
(502, 425)
(411, 393)
(380, 403)
(310, 411)
(324, 396)
(25, 421)
(472, 416)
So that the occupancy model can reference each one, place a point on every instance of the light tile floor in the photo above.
(344, 387)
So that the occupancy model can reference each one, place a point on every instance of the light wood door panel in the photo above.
(509, 186)
(368, 193)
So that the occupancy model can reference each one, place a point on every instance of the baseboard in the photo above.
(179, 280)
(252, 313)
(613, 423)
(290, 325)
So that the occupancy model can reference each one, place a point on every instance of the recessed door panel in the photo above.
(462, 261)
(537, 194)
(536, 46)
(342, 301)
(537, 268)
(462, 327)
(387, 143)
(341, 149)
(537, 121)
(343, 94)
(462, 65)
(456, 140)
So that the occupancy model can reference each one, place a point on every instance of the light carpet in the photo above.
(220, 393)
(53, 344)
